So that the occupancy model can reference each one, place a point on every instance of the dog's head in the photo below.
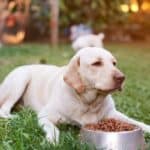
(94, 68)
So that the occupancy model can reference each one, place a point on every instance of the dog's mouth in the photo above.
(115, 88)
(110, 89)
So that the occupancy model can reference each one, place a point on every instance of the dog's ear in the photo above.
(101, 36)
(72, 75)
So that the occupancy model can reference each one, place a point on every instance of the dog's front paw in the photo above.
(3, 114)
(53, 136)
(146, 128)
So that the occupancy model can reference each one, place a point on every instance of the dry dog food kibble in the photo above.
(111, 125)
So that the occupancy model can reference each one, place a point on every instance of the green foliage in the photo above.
(39, 19)
(97, 13)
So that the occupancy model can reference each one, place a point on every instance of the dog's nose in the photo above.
(119, 78)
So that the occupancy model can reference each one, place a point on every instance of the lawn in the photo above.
(23, 132)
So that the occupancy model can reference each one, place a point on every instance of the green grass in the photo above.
(23, 132)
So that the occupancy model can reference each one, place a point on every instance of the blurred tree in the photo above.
(140, 2)
(44, 20)
(39, 27)
(54, 5)
(100, 15)
(97, 13)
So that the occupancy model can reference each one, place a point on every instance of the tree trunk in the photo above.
(140, 2)
(54, 8)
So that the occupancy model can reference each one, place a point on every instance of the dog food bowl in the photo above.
(122, 140)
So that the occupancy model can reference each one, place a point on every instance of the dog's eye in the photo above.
(97, 63)
(114, 63)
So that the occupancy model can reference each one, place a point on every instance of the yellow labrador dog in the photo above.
(76, 93)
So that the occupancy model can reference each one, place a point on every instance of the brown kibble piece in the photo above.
(111, 125)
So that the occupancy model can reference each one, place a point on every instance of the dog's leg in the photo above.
(118, 115)
(52, 132)
(11, 91)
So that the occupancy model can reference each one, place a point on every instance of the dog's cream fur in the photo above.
(77, 93)
(89, 40)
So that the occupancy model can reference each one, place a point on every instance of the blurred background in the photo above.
(53, 20)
